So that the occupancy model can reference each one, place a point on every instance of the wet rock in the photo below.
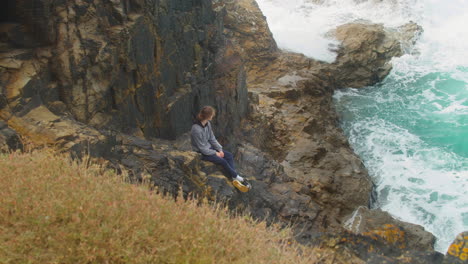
(364, 220)
(364, 55)
(408, 34)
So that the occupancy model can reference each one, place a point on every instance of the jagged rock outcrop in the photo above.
(246, 25)
(363, 57)
(408, 34)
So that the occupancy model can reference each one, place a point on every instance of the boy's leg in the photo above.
(220, 161)
(229, 158)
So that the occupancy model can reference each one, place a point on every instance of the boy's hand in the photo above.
(220, 154)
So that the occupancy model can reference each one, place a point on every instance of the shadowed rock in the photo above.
(9, 140)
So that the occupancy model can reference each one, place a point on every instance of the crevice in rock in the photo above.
(8, 12)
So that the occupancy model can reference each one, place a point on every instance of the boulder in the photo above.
(9, 139)
(364, 55)
(365, 52)
(407, 235)
(294, 122)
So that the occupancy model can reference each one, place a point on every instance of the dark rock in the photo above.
(126, 70)
(9, 139)
(14, 35)
(221, 187)
(254, 164)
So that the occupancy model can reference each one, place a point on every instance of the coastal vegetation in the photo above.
(57, 210)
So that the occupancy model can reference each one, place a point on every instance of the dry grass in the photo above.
(54, 210)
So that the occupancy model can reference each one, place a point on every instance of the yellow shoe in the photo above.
(241, 187)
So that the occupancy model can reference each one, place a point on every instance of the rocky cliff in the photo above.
(139, 67)
(122, 80)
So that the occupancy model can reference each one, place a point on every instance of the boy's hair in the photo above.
(205, 113)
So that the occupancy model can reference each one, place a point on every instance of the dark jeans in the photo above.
(227, 162)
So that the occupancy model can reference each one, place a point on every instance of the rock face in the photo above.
(122, 80)
(247, 27)
(143, 71)
(296, 125)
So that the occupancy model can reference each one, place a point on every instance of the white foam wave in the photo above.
(456, 107)
(416, 182)
(302, 25)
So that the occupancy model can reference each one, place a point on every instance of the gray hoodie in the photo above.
(203, 139)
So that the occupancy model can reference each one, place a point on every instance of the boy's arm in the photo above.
(214, 143)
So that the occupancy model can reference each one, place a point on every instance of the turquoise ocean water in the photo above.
(412, 134)
(411, 130)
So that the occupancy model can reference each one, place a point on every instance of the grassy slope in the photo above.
(53, 210)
